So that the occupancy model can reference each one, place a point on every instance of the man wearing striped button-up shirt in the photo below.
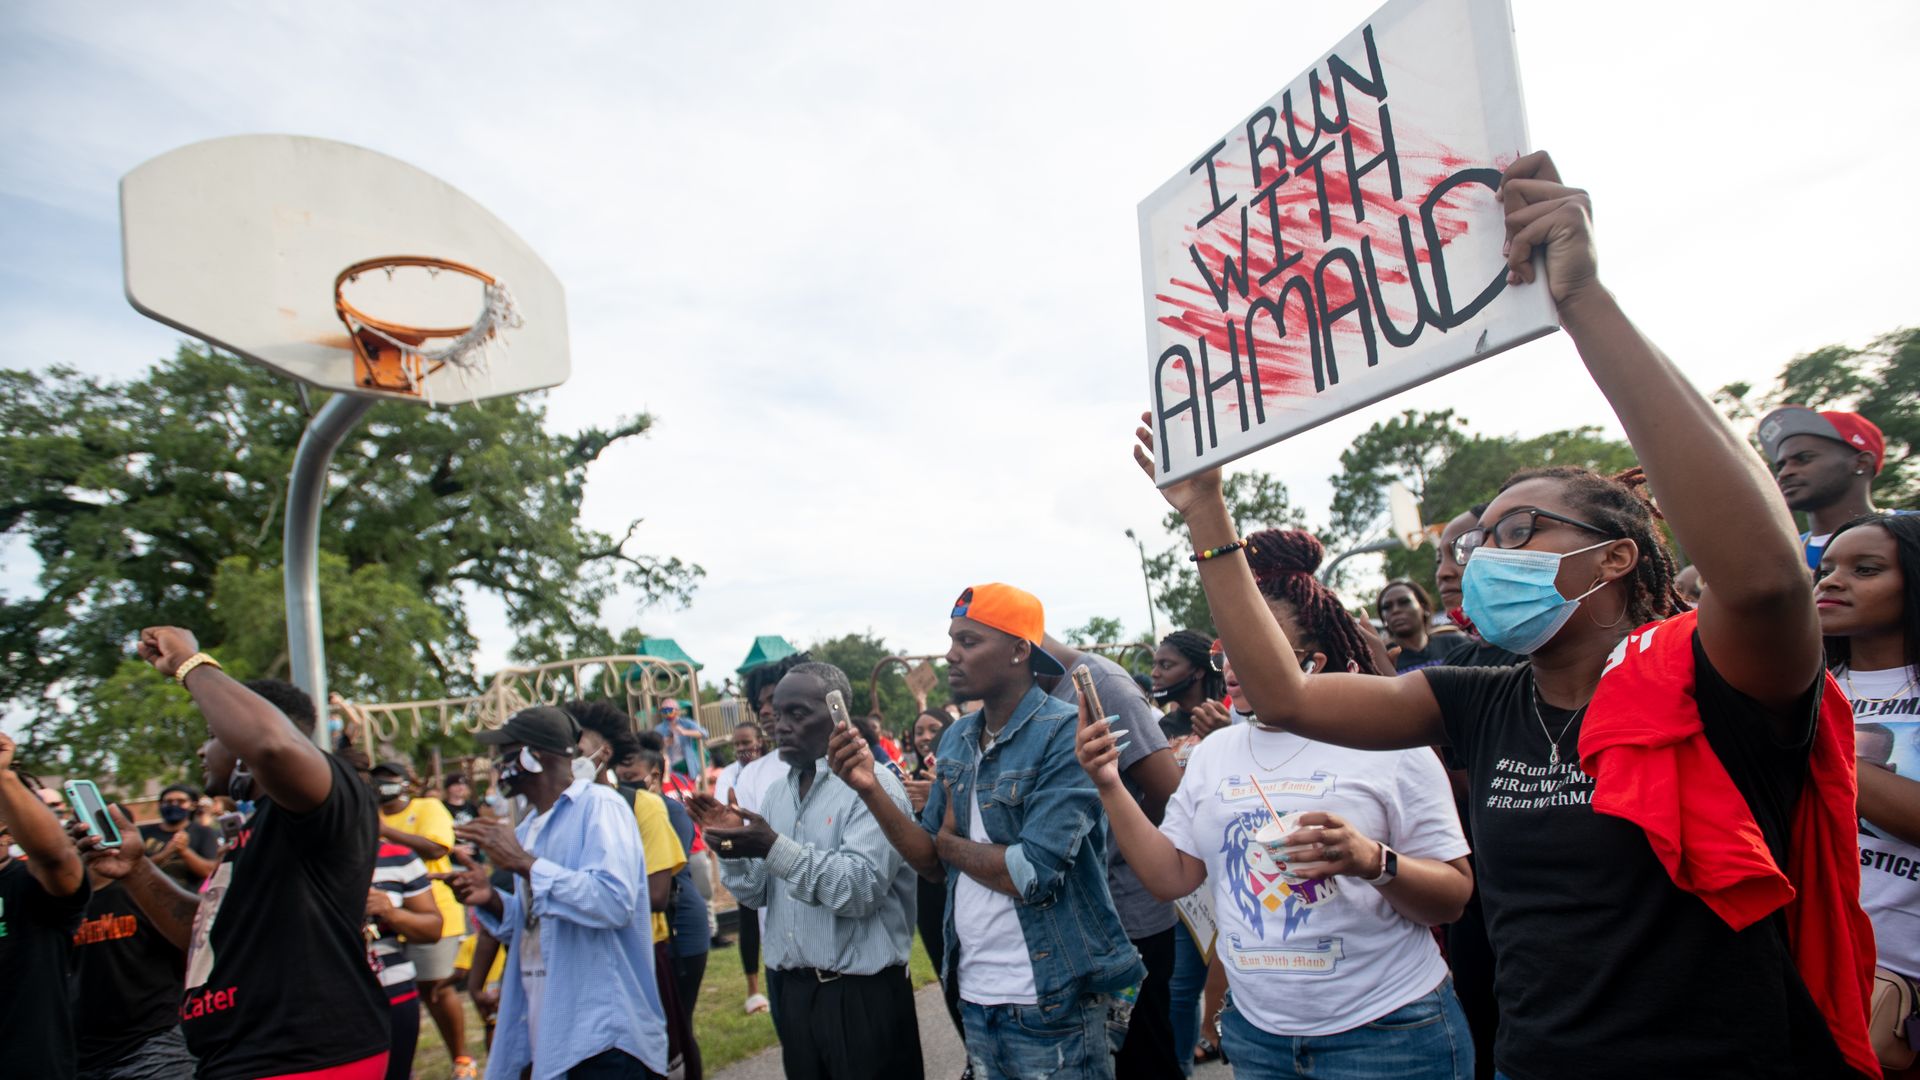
(839, 899)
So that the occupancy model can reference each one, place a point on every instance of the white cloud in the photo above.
(874, 266)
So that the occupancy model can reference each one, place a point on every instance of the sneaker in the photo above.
(758, 1003)
(465, 1069)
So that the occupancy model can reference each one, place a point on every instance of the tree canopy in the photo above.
(1880, 382)
(160, 499)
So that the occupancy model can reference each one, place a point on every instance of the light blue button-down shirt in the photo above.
(588, 895)
(838, 897)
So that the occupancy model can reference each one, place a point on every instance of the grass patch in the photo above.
(726, 1033)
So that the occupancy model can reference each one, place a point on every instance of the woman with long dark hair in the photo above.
(1643, 808)
(1869, 599)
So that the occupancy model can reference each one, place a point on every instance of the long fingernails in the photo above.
(1123, 744)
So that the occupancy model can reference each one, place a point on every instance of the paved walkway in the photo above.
(939, 1046)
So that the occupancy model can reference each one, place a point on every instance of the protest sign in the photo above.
(1343, 242)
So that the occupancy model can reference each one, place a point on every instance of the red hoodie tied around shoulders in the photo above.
(1645, 746)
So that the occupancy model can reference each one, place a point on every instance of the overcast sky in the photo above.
(874, 268)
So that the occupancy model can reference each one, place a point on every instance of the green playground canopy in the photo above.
(766, 649)
(665, 648)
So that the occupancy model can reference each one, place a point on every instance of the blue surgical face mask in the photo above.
(1510, 595)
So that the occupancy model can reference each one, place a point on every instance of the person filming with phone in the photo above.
(43, 891)
(839, 899)
(278, 980)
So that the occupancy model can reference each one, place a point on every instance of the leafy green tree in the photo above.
(1098, 630)
(1257, 501)
(1880, 381)
(1409, 448)
(159, 500)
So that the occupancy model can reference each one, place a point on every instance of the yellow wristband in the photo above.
(194, 661)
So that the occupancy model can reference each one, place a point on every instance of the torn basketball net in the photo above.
(391, 356)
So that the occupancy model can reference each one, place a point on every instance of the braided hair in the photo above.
(1283, 562)
(1622, 506)
(1197, 649)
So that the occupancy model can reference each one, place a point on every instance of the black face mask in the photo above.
(1170, 692)
(174, 813)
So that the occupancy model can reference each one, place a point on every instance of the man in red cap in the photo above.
(1020, 841)
(1825, 463)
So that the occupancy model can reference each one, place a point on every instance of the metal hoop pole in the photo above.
(300, 547)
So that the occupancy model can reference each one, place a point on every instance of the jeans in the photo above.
(162, 1057)
(1013, 1042)
(1424, 1040)
(1185, 993)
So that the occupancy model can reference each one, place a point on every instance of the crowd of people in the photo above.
(1591, 814)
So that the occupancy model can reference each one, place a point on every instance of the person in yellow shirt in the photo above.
(607, 739)
(425, 826)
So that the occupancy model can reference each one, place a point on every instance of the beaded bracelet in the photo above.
(1223, 549)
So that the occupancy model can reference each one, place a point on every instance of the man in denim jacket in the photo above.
(1016, 831)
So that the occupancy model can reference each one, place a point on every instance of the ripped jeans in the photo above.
(1012, 1042)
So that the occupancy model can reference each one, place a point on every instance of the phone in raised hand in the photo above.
(842, 720)
(87, 803)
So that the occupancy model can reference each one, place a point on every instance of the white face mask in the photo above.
(585, 769)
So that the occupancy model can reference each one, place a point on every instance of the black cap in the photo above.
(395, 768)
(542, 727)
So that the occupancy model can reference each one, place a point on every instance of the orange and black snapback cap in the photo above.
(1011, 611)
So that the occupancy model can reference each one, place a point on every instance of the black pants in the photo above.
(612, 1065)
(688, 973)
(1149, 1053)
(1470, 955)
(748, 935)
(855, 1027)
(932, 916)
(681, 1044)
(403, 1026)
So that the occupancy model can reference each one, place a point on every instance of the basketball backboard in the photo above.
(243, 242)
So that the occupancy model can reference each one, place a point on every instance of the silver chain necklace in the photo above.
(1553, 741)
(1304, 743)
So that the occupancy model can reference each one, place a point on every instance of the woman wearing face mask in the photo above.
(1869, 601)
(1189, 686)
(1638, 835)
(1323, 920)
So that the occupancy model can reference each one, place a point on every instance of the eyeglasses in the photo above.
(1514, 529)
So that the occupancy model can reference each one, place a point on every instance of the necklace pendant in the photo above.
(1553, 758)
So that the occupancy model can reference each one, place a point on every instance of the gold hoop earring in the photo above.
(1624, 604)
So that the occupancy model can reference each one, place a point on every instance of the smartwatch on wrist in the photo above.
(1389, 867)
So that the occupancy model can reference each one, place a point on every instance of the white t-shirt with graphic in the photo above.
(1886, 732)
(1307, 959)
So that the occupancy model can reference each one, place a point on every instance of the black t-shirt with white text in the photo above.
(127, 989)
(278, 979)
(1604, 967)
(36, 949)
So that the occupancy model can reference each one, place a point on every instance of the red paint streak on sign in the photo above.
(1306, 235)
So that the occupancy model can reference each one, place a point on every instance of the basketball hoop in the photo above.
(388, 355)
